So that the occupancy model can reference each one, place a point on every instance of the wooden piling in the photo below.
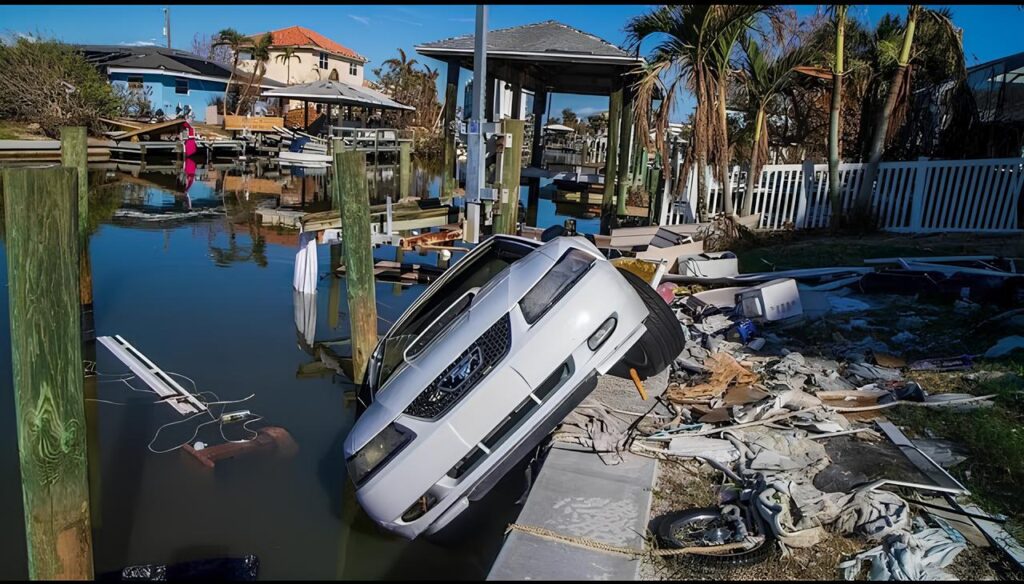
(612, 158)
(352, 197)
(41, 208)
(451, 94)
(404, 169)
(508, 211)
(625, 152)
(334, 293)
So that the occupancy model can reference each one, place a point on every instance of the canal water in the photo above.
(181, 271)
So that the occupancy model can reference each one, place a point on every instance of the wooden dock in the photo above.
(44, 151)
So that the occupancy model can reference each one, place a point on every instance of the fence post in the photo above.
(41, 208)
(917, 201)
(352, 197)
(806, 188)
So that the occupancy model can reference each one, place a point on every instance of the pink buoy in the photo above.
(667, 291)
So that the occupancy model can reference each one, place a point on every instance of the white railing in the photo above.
(912, 196)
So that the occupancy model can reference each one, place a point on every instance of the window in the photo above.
(244, 56)
(134, 82)
(323, 60)
(181, 86)
(353, 69)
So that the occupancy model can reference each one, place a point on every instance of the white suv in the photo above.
(486, 362)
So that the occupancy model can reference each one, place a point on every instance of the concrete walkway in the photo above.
(577, 495)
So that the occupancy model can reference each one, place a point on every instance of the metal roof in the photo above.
(162, 59)
(548, 40)
(337, 92)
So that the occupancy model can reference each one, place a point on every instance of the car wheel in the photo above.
(663, 341)
(703, 527)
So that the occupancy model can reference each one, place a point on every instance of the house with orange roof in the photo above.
(315, 57)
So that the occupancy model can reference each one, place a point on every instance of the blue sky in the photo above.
(376, 31)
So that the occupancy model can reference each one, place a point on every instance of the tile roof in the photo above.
(299, 36)
(543, 37)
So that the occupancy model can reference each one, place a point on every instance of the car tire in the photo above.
(663, 341)
(669, 525)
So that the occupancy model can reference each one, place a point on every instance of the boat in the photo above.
(304, 158)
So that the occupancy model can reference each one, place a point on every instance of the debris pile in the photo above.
(781, 366)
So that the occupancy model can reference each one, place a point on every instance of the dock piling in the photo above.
(508, 211)
(352, 197)
(404, 169)
(41, 208)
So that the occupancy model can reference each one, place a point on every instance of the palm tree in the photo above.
(261, 55)
(899, 91)
(234, 40)
(764, 78)
(285, 56)
(839, 20)
(693, 51)
(404, 68)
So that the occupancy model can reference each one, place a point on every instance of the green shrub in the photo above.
(47, 82)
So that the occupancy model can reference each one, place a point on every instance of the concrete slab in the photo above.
(579, 496)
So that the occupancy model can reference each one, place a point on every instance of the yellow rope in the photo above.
(626, 551)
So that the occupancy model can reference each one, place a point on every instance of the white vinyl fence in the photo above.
(914, 197)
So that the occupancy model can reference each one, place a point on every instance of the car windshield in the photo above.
(474, 271)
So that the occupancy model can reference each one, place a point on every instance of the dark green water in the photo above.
(205, 298)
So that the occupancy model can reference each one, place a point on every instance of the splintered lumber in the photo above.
(353, 198)
(406, 273)
(268, 440)
(167, 127)
(253, 124)
(425, 239)
(41, 214)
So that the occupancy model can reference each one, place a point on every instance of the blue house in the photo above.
(169, 77)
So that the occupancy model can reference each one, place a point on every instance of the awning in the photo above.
(558, 128)
(337, 92)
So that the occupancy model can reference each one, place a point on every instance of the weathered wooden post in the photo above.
(612, 161)
(451, 94)
(404, 169)
(508, 210)
(351, 196)
(74, 153)
(334, 293)
(41, 207)
(625, 152)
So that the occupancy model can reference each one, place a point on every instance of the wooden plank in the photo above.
(161, 128)
(352, 197)
(404, 169)
(41, 209)
(611, 165)
(253, 124)
(252, 185)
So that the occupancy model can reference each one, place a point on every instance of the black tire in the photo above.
(663, 341)
(683, 529)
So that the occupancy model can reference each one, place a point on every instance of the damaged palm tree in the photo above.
(893, 112)
(764, 77)
(695, 51)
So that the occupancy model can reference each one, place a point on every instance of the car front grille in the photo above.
(463, 373)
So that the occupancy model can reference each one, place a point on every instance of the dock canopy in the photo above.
(338, 93)
(551, 56)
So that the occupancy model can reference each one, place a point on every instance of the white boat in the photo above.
(304, 158)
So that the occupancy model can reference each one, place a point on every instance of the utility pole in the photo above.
(167, 26)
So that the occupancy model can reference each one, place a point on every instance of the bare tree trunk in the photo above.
(882, 122)
(752, 172)
(833, 122)
(726, 184)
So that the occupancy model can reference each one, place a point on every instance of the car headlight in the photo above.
(559, 280)
(377, 451)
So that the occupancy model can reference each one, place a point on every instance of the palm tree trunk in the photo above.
(726, 185)
(833, 122)
(231, 76)
(752, 172)
(882, 123)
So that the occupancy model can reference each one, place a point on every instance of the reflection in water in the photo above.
(183, 270)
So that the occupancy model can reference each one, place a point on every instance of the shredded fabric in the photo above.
(921, 555)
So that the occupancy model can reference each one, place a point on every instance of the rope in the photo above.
(626, 551)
